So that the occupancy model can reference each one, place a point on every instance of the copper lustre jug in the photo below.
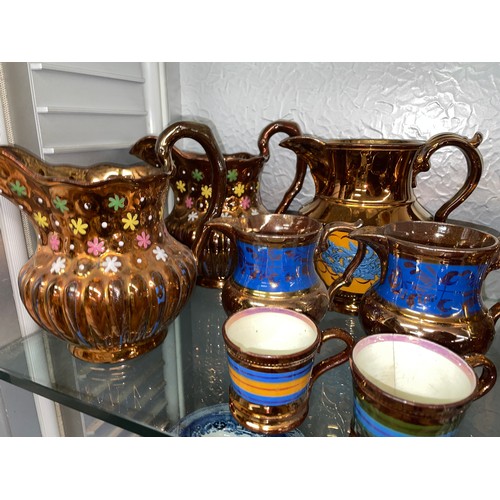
(373, 180)
(196, 175)
(431, 283)
(274, 263)
(106, 276)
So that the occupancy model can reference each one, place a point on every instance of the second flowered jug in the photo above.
(106, 277)
(194, 181)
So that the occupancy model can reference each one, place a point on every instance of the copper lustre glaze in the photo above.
(106, 276)
(373, 180)
(193, 180)
(431, 283)
(274, 263)
(272, 366)
(409, 386)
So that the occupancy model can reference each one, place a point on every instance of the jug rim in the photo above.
(264, 226)
(396, 231)
(228, 157)
(375, 143)
(84, 176)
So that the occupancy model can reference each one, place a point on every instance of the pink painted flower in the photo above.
(245, 203)
(54, 242)
(95, 247)
(144, 239)
(189, 202)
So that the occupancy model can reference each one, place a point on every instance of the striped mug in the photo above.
(410, 386)
(271, 356)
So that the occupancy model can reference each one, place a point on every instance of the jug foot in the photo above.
(119, 354)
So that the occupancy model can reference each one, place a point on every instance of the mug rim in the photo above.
(290, 357)
(440, 349)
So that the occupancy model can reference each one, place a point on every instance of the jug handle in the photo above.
(347, 276)
(488, 376)
(474, 167)
(336, 359)
(494, 310)
(291, 129)
(223, 224)
(202, 134)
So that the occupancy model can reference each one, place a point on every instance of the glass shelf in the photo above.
(150, 394)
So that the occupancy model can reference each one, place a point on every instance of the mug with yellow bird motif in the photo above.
(271, 357)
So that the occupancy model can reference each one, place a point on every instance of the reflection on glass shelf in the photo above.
(150, 394)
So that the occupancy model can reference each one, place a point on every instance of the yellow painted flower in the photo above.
(181, 186)
(41, 220)
(78, 226)
(206, 191)
(239, 189)
(130, 222)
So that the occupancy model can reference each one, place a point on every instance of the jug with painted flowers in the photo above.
(106, 276)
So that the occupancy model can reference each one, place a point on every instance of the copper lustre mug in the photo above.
(409, 386)
(271, 356)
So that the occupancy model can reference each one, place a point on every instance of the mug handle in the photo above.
(202, 134)
(291, 129)
(488, 376)
(337, 359)
(474, 167)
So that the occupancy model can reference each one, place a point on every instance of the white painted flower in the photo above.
(192, 216)
(225, 214)
(111, 264)
(58, 266)
(160, 254)
(254, 211)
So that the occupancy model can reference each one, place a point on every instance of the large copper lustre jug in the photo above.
(194, 181)
(372, 180)
(106, 277)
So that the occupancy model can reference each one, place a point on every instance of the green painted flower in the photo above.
(232, 175)
(18, 188)
(116, 202)
(197, 175)
(60, 204)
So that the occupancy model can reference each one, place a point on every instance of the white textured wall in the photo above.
(350, 100)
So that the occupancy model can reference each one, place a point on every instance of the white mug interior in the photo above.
(271, 332)
(414, 370)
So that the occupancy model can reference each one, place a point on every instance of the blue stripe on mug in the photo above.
(375, 428)
(270, 377)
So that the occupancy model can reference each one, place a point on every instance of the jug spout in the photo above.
(145, 150)
(312, 149)
(315, 153)
(22, 177)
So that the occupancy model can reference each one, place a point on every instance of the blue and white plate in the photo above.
(216, 421)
